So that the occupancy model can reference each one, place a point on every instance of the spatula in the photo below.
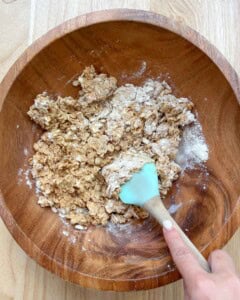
(142, 190)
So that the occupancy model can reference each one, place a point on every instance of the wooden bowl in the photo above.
(132, 46)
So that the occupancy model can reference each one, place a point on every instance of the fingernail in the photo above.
(167, 224)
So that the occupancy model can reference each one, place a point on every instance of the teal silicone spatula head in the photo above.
(141, 187)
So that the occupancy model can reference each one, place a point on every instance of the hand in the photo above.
(222, 284)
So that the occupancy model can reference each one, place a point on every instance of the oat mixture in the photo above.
(92, 144)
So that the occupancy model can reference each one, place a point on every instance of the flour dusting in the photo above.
(20, 171)
(80, 227)
(174, 208)
(72, 239)
(65, 232)
(24, 176)
(193, 149)
(141, 70)
(27, 178)
(25, 151)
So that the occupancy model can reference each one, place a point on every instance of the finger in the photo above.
(185, 261)
(221, 262)
(186, 293)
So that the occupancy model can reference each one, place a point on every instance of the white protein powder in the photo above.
(193, 149)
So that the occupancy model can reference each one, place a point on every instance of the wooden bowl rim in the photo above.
(85, 20)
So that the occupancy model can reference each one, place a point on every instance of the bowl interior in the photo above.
(203, 199)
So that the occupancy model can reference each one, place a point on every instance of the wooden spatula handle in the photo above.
(157, 209)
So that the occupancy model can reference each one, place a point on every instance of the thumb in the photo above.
(221, 262)
(185, 261)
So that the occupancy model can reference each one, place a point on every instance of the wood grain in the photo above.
(21, 278)
(110, 259)
(13, 43)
